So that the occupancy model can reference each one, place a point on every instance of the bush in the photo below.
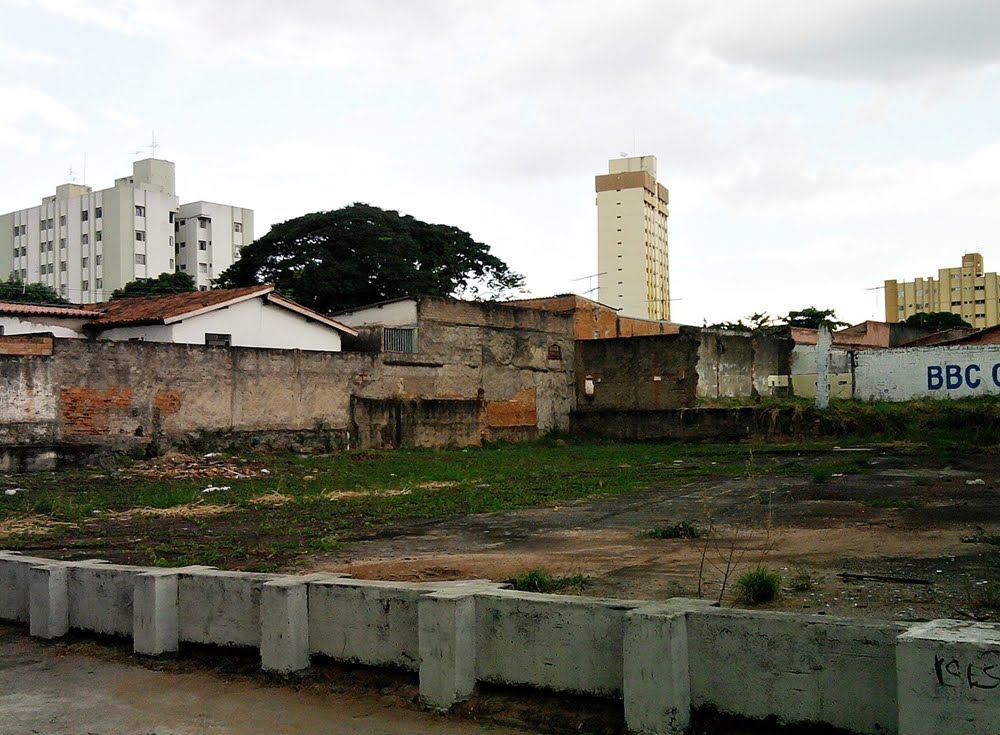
(758, 585)
(539, 580)
(678, 529)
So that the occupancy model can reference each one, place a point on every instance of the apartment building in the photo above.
(86, 243)
(632, 257)
(208, 237)
(967, 291)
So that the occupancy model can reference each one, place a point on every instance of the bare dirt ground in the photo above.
(907, 518)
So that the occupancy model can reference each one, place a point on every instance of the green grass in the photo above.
(758, 585)
(539, 580)
(677, 529)
(990, 539)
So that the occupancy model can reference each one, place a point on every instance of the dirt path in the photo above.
(906, 519)
(52, 690)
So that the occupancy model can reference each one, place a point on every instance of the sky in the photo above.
(811, 149)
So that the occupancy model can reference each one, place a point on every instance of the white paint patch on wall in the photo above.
(394, 314)
(927, 372)
(72, 328)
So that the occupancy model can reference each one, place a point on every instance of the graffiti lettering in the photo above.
(949, 673)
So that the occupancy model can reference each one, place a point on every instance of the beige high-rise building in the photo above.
(967, 291)
(632, 262)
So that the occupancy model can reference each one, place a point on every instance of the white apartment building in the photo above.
(86, 243)
(208, 238)
(632, 262)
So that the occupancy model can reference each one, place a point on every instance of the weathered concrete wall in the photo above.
(737, 365)
(927, 372)
(637, 373)
(661, 658)
(469, 381)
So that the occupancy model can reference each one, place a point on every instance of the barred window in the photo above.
(395, 339)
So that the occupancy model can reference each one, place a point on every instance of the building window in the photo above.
(180, 222)
(97, 259)
(85, 285)
(62, 243)
(99, 236)
(140, 259)
(100, 283)
(202, 245)
(62, 267)
(84, 215)
(181, 245)
(98, 212)
(203, 267)
(84, 239)
(83, 261)
(395, 339)
(218, 340)
(62, 220)
(203, 222)
(237, 227)
(171, 264)
(140, 235)
(140, 211)
(183, 267)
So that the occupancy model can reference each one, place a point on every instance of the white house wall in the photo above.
(394, 314)
(252, 323)
(71, 328)
(927, 372)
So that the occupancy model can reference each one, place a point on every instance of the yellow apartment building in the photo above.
(633, 272)
(967, 291)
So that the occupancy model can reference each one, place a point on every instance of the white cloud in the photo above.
(121, 119)
(24, 56)
(22, 105)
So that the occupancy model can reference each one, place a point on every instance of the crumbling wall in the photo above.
(738, 364)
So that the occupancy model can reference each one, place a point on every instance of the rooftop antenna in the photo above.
(590, 283)
(153, 145)
(71, 175)
(876, 289)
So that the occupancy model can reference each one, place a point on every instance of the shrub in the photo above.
(677, 529)
(539, 580)
(758, 585)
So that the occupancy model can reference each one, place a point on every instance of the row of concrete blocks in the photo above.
(660, 658)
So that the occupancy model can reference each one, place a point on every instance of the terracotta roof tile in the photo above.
(140, 310)
(23, 309)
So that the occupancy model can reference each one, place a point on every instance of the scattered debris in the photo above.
(211, 455)
(977, 481)
(213, 488)
(881, 578)
(175, 465)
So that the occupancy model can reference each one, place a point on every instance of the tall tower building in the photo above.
(86, 243)
(632, 239)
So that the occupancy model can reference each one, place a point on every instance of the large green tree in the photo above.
(362, 254)
(14, 289)
(165, 283)
(936, 320)
(812, 318)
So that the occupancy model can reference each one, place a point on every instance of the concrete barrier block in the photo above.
(100, 596)
(948, 672)
(15, 602)
(284, 620)
(447, 633)
(559, 642)
(656, 685)
(220, 608)
(797, 668)
(154, 611)
(49, 600)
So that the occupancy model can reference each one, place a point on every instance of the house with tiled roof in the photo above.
(254, 316)
(59, 321)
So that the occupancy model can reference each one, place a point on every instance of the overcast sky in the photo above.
(811, 149)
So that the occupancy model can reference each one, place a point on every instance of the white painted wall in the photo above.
(927, 372)
(252, 323)
(72, 328)
(394, 314)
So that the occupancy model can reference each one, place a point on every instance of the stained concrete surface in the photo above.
(49, 690)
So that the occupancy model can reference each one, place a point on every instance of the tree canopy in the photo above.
(14, 289)
(936, 320)
(165, 283)
(810, 318)
(362, 254)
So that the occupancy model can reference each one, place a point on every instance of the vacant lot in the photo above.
(605, 516)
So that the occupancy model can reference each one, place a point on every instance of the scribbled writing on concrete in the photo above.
(951, 672)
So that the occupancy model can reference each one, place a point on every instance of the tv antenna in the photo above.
(71, 175)
(151, 146)
(590, 282)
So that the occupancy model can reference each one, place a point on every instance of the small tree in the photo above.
(14, 289)
(936, 320)
(165, 283)
(813, 318)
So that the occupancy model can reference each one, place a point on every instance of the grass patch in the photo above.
(758, 585)
(539, 580)
(820, 475)
(677, 529)
(802, 581)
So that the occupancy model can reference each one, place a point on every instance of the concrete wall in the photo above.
(660, 658)
(927, 372)
(637, 373)
(481, 372)
(737, 365)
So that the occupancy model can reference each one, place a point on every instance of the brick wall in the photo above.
(26, 344)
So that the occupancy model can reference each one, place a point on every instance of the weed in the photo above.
(758, 585)
(820, 475)
(981, 539)
(983, 598)
(677, 529)
(802, 581)
(539, 580)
